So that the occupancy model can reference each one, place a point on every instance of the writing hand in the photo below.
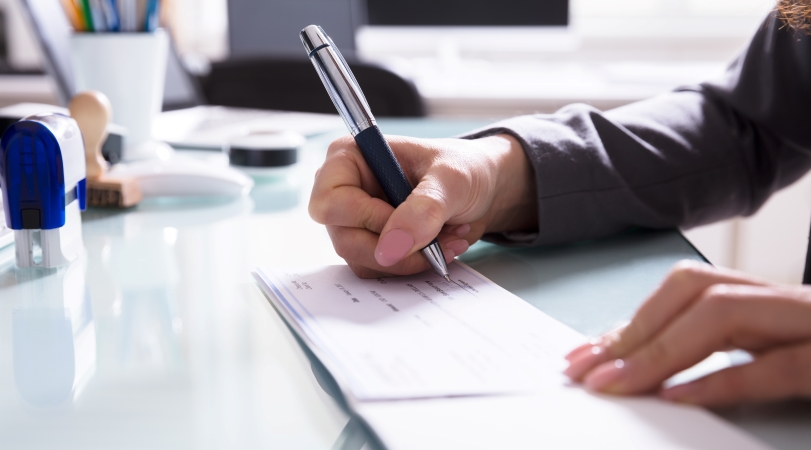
(462, 189)
(696, 311)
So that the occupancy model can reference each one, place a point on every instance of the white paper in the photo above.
(420, 336)
(563, 418)
(417, 358)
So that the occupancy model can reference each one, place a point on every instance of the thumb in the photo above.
(412, 225)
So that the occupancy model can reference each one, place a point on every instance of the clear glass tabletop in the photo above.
(159, 338)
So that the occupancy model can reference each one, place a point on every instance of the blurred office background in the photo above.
(612, 52)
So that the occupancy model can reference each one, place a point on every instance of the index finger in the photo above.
(749, 317)
(345, 192)
(682, 287)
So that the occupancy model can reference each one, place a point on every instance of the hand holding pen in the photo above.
(463, 188)
(351, 104)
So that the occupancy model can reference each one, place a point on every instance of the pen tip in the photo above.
(448, 278)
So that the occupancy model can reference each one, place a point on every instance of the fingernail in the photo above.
(393, 247)
(462, 230)
(583, 348)
(449, 255)
(458, 246)
(600, 341)
(683, 393)
(606, 377)
(584, 361)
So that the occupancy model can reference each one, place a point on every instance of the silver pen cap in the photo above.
(338, 79)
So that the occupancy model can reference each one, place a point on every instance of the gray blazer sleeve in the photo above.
(685, 158)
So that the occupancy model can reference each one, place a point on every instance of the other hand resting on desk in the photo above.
(462, 189)
(696, 311)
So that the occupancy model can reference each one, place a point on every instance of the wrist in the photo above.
(515, 203)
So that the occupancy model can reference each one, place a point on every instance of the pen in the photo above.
(112, 16)
(88, 16)
(151, 20)
(74, 14)
(353, 108)
(99, 19)
(140, 14)
(127, 15)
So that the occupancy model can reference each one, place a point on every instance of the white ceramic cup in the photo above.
(130, 68)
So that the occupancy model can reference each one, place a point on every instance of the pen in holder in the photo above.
(130, 69)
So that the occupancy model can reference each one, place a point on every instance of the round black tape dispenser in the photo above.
(264, 154)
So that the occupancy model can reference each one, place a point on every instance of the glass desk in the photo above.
(158, 338)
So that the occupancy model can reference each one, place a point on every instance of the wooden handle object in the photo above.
(92, 111)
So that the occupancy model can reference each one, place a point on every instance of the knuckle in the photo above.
(719, 302)
(333, 160)
(317, 211)
(719, 298)
(342, 143)
(341, 242)
(342, 248)
(657, 353)
(687, 269)
(429, 208)
(619, 342)
(370, 219)
(456, 176)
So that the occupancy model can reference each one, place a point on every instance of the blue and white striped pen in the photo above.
(111, 15)
(128, 15)
(97, 14)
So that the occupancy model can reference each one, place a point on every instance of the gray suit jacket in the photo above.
(689, 157)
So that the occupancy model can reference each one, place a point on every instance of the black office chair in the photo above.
(292, 84)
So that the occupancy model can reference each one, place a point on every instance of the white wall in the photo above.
(649, 8)
(771, 243)
(199, 27)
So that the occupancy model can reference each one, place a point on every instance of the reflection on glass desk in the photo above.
(159, 338)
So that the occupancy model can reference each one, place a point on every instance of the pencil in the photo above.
(80, 13)
(74, 15)
(88, 15)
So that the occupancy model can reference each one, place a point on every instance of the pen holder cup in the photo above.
(130, 68)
